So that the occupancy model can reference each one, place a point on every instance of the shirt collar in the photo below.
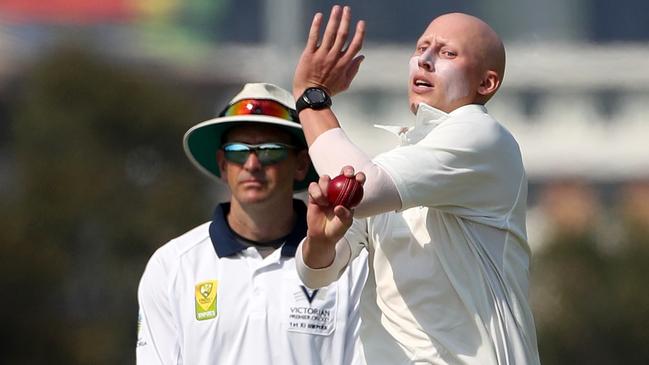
(427, 115)
(226, 244)
(468, 109)
(426, 119)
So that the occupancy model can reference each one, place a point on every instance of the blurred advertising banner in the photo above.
(104, 11)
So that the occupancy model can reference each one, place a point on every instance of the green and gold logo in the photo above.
(205, 293)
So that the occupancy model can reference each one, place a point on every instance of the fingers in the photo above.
(347, 170)
(353, 68)
(312, 40)
(317, 191)
(356, 44)
(343, 30)
(327, 61)
(323, 183)
(337, 31)
(345, 215)
(360, 177)
(329, 36)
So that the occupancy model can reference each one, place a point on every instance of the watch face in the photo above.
(315, 96)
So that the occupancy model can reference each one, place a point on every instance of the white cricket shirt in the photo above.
(449, 272)
(205, 298)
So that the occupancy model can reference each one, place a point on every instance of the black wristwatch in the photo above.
(314, 98)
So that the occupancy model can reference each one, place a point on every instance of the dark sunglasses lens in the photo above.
(271, 154)
(268, 153)
(239, 157)
(237, 153)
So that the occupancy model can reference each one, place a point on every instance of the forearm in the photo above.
(332, 150)
(316, 122)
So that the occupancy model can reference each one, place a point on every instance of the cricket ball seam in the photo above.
(345, 191)
(344, 194)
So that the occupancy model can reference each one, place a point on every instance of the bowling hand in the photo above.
(327, 223)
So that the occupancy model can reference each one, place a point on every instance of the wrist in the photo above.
(318, 254)
(298, 89)
(319, 242)
(315, 98)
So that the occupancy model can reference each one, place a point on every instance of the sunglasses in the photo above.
(260, 107)
(267, 153)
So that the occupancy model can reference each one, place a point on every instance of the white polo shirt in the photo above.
(449, 272)
(205, 298)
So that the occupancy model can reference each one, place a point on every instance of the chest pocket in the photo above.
(310, 311)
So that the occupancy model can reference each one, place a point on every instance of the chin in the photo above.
(252, 197)
(414, 103)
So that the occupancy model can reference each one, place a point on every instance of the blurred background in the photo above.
(95, 96)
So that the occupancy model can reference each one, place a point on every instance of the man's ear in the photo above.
(489, 84)
(220, 159)
(302, 165)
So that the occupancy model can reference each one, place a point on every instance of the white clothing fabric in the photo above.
(205, 298)
(379, 192)
(448, 280)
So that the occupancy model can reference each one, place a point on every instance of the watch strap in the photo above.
(304, 102)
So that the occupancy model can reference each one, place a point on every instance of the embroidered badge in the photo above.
(205, 294)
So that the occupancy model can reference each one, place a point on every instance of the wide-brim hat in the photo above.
(202, 141)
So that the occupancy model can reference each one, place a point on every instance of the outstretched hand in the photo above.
(326, 63)
(327, 224)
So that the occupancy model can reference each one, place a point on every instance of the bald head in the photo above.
(459, 60)
(487, 45)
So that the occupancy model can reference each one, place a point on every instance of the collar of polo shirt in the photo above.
(226, 243)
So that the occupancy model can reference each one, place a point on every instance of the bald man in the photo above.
(443, 216)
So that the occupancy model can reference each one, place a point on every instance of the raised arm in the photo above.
(328, 64)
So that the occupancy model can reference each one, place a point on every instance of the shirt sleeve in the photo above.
(347, 249)
(158, 342)
(466, 168)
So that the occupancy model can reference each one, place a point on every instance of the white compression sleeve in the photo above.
(333, 150)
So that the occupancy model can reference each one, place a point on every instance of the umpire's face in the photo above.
(253, 180)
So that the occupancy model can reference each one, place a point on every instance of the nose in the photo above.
(252, 163)
(426, 60)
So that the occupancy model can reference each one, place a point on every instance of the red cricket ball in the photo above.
(345, 191)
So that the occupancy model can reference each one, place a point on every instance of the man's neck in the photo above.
(262, 222)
